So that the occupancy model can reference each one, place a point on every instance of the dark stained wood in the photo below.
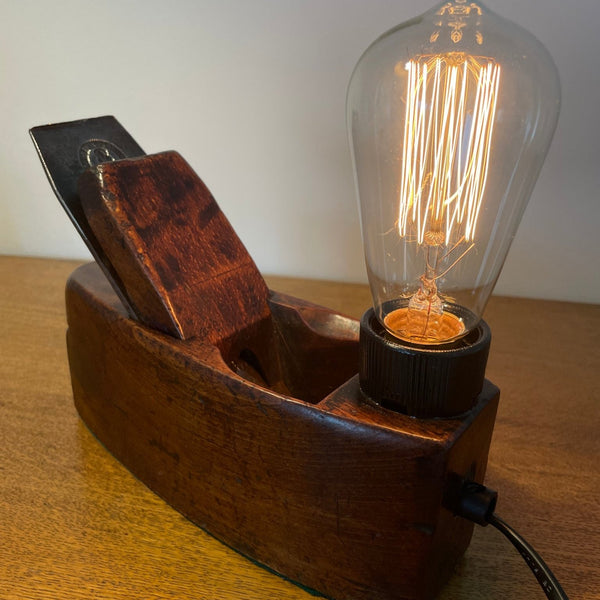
(341, 496)
(303, 350)
(181, 264)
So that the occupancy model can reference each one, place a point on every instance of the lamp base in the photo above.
(344, 497)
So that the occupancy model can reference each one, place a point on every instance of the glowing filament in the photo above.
(449, 120)
(450, 108)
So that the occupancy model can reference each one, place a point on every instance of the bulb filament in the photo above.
(446, 146)
(450, 110)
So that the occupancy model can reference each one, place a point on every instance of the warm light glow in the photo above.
(450, 107)
(450, 116)
(449, 119)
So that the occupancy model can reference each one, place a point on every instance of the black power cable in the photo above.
(477, 503)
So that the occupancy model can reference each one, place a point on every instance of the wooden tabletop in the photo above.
(76, 524)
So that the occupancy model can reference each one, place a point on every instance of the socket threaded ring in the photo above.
(426, 382)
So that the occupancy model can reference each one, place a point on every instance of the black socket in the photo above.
(426, 382)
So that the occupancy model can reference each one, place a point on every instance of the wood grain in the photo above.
(282, 480)
(76, 524)
(182, 266)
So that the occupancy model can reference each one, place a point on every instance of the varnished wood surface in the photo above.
(281, 481)
(75, 524)
(189, 276)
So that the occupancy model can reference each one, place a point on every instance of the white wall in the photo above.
(252, 93)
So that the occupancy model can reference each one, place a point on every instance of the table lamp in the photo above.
(450, 116)
(346, 465)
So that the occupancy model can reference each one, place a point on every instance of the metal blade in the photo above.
(66, 151)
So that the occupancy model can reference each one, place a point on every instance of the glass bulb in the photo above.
(450, 116)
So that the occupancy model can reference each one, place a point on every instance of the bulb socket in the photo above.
(425, 382)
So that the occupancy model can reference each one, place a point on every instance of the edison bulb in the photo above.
(450, 117)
